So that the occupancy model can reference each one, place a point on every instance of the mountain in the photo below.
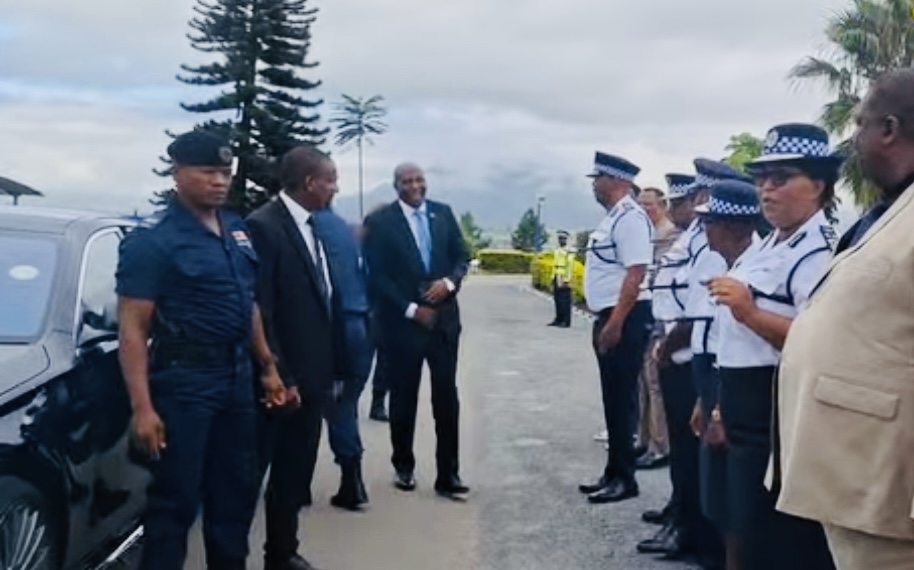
(498, 201)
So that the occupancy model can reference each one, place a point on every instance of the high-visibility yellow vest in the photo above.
(562, 264)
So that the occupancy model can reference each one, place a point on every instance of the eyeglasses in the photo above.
(778, 177)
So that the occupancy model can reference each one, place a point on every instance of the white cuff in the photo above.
(411, 311)
(450, 285)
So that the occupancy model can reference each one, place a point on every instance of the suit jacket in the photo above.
(846, 388)
(397, 276)
(299, 325)
(349, 282)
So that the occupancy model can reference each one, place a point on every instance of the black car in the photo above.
(71, 493)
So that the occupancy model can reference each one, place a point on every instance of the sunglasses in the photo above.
(777, 177)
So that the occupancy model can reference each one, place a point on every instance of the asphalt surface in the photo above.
(530, 406)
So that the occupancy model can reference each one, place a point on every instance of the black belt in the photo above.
(193, 354)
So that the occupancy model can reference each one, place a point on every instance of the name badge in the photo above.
(241, 238)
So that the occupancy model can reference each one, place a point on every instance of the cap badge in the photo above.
(225, 154)
(772, 139)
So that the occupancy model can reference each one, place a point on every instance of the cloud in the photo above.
(479, 91)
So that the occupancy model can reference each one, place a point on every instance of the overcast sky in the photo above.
(474, 87)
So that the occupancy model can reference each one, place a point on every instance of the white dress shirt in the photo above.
(624, 239)
(410, 213)
(301, 216)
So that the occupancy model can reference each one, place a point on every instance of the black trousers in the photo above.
(288, 447)
(619, 369)
(404, 366)
(679, 396)
(379, 381)
(561, 296)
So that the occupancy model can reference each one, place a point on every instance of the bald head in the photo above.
(409, 181)
(892, 95)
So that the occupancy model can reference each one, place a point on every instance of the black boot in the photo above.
(378, 411)
(349, 494)
(360, 484)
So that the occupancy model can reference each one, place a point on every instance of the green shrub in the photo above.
(542, 276)
(505, 261)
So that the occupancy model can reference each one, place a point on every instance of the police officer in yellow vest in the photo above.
(562, 274)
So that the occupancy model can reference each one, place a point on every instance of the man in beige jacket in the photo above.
(846, 388)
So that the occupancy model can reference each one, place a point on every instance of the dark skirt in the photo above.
(735, 497)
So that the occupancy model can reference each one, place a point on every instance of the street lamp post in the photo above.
(538, 241)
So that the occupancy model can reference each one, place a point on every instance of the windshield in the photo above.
(27, 267)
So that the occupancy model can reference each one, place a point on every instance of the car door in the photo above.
(113, 485)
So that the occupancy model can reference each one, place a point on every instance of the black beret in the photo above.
(200, 148)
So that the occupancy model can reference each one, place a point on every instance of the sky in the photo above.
(475, 88)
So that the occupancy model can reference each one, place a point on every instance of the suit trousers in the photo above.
(561, 297)
(854, 550)
(652, 424)
(405, 363)
(289, 443)
(619, 368)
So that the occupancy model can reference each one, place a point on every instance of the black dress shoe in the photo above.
(405, 481)
(451, 486)
(615, 492)
(639, 450)
(590, 489)
(554, 324)
(651, 460)
(294, 563)
(349, 495)
(661, 516)
(668, 541)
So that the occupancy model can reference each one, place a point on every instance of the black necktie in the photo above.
(319, 264)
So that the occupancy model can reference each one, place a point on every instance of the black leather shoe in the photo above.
(651, 460)
(349, 495)
(554, 324)
(360, 483)
(294, 563)
(451, 486)
(615, 492)
(590, 489)
(667, 541)
(661, 516)
(405, 481)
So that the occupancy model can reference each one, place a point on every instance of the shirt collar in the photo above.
(299, 213)
(410, 211)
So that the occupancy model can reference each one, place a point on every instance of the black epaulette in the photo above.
(830, 235)
(795, 240)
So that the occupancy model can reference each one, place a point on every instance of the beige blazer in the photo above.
(846, 388)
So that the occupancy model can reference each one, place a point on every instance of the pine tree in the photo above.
(530, 234)
(261, 48)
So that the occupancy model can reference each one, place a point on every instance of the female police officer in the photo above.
(187, 284)
(766, 286)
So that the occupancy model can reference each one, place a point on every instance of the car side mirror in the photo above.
(98, 327)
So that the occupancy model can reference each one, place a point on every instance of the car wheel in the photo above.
(27, 534)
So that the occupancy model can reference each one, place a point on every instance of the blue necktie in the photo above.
(425, 239)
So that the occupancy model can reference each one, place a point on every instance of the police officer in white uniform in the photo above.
(618, 254)
(766, 286)
(685, 531)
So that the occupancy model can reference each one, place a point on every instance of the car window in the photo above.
(27, 268)
(99, 277)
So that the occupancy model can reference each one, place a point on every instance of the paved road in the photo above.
(530, 406)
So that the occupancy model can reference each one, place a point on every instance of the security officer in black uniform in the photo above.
(186, 283)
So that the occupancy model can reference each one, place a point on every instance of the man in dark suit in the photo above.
(417, 260)
(298, 303)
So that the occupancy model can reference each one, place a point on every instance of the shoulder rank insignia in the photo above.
(795, 240)
(830, 235)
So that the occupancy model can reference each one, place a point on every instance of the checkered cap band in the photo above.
(798, 145)
(678, 190)
(614, 172)
(724, 208)
(703, 180)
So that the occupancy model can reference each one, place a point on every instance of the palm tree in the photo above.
(356, 120)
(867, 39)
(743, 148)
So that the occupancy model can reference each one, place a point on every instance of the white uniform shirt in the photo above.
(623, 239)
(781, 277)
(670, 289)
(705, 265)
